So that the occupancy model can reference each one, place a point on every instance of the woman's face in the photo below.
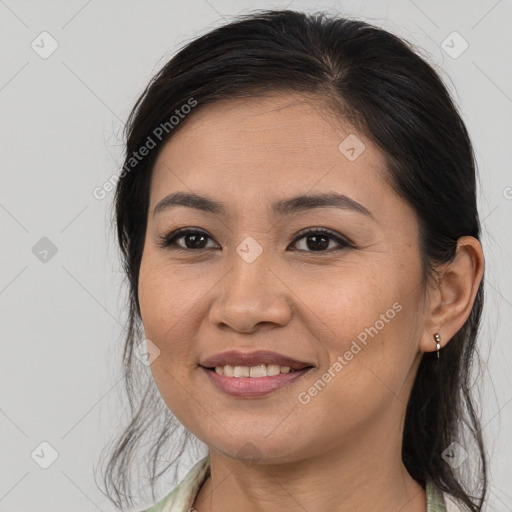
(347, 303)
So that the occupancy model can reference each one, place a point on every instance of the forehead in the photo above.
(275, 145)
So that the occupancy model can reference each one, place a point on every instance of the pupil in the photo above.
(319, 242)
(194, 241)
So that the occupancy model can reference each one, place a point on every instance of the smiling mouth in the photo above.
(247, 386)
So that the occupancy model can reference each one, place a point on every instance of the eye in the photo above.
(319, 240)
(190, 239)
(313, 240)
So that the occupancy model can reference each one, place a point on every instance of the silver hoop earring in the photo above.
(437, 340)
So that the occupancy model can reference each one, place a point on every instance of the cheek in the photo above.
(345, 303)
(172, 304)
(169, 298)
(369, 368)
(368, 322)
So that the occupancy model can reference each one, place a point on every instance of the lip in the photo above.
(248, 387)
(238, 358)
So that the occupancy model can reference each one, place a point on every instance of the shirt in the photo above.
(182, 497)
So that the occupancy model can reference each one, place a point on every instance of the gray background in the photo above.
(61, 120)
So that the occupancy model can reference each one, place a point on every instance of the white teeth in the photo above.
(241, 371)
(261, 370)
(273, 369)
(258, 371)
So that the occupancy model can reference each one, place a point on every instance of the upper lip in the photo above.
(237, 358)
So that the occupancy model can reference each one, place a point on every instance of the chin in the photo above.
(259, 449)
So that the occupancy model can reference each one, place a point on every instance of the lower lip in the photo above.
(246, 387)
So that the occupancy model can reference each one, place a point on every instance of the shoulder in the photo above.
(181, 498)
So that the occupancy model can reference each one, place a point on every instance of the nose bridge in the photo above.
(249, 268)
(251, 292)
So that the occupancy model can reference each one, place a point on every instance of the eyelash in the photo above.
(170, 240)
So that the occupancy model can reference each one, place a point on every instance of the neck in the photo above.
(357, 476)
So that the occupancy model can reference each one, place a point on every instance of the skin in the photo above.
(342, 450)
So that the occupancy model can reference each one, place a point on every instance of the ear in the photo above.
(452, 298)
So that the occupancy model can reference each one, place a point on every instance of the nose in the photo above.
(251, 296)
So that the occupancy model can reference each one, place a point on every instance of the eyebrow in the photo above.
(283, 207)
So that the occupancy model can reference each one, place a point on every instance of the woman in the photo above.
(298, 222)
